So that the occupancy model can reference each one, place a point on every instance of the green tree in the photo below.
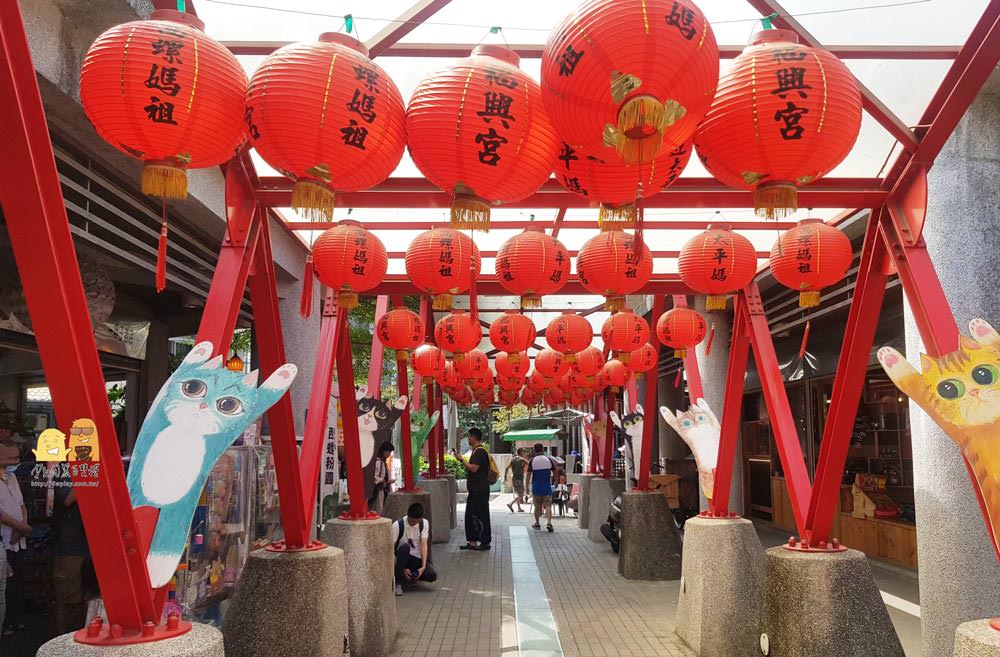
(503, 415)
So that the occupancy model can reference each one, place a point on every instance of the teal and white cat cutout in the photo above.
(199, 412)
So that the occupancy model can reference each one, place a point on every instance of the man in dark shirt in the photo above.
(478, 533)
(69, 549)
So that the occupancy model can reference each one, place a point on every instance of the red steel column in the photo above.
(378, 351)
(595, 458)
(352, 440)
(732, 404)
(691, 371)
(609, 435)
(433, 404)
(652, 412)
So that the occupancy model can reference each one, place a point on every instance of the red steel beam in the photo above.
(557, 223)
(609, 435)
(349, 409)
(488, 286)
(566, 225)
(763, 255)
(408, 21)
(695, 389)
(378, 351)
(651, 408)
(732, 405)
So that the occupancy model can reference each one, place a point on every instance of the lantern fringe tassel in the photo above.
(442, 302)
(306, 301)
(624, 357)
(161, 258)
(347, 299)
(775, 200)
(402, 355)
(569, 358)
(634, 140)
(680, 353)
(531, 301)
(164, 180)
(715, 302)
(614, 304)
(313, 200)
(616, 218)
(470, 212)
(809, 298)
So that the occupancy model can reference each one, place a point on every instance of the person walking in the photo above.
(540, 476)
(14, 528)
(516, 467)
(413, 532)
(382, 478)
(478, 532)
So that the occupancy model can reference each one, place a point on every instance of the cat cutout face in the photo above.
(631, 425)
(699, 429)
(376, 420)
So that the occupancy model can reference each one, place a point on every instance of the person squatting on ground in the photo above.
(413, 532)
(540, 476)
(478, 532)
(516, 467)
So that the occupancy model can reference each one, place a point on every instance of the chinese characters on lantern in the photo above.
(557, 272)
(569, 59)
(360, 257)
(677, 163)
(496, 112)
(803, 255)
(162, 78)
(682, 18)
(362, 103)
(719, 272)
(791, 82)
(446, 257)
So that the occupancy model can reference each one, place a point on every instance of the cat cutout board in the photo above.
(198, 413)
(699, 429)
(420, 428)
(960, 391)
(376, 420)
(631, 426)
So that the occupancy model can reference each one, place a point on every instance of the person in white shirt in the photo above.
(14, 528)
(412, 533)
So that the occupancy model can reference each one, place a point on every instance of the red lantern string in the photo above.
(306, 302)
(711, 336)
(805, 340)
(677, 379)
(161, 253)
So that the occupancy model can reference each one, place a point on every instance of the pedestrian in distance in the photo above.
(413, 532)
(542, 470)
(482, 474)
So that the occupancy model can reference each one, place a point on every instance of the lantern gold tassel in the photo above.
(624, 357)
(775, 200)
(313, 200)
(531, 301)
(715, 302)
(442, 302)
(641, 121)
(680, 353)
(347, 299)
(470, 212)
(570, 358)
(306, 300)
(614, 304)
(616, 218)
(808, 298)
(164, 180)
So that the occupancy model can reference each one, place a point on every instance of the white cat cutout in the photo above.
(633, 447)
(699, 429)
(367, 426)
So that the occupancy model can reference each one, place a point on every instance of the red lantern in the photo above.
(579, 397)
(643, 359)
(349, 259)
(680, 329)
(624, 332)
(482, 380)
(484, 397)
(328, 117)
(400, 329)
(784, 116)
(566, 382)
(448, 377)
(717, 262)
(457, 333)
(629, 75)
(531, 265)
(512, 332)
(461, 396)
(538, 382)
(809, 257)
(478, 130)
(530, 398)
(551, 364)
(507, 397)
(615, 375)
(611, 265)
(473, 364)
(509, 366)
(617, 185)
(588, 364)
(428, 361)
(442, 262)
(569, 334)
(553, 397)
(510, 382)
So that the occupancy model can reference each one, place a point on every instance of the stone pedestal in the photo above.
(440, 490)
(825, 604)
(397, 502)
(602, 491)
(453, 498)
(651, 544)
(288, 604)
(977, 639)
(201, 641)
(722, 583)
(369, 558)
(584, 502)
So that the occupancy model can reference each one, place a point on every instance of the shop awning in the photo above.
(530, 434)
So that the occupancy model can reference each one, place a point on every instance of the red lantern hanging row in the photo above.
(680, 329)
(613, 264)
(530, 398)
(448, 377)
(551, 365)
(349, 259)
(442, 262)
(428, 361)
(400, 329)
(531, 265)
(457, 333)
(623, 332)
(643, 359)
(512, 332)
(473, 364)
(717, 262)
(512, 365)
(615, 375)
(588, 363)
(809, 257)
(569, 334)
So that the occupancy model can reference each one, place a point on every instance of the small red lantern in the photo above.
(400, 329)
(784, 116)
(506, 365)
(473, 364)
(531, 265)
(612, 265)
(624, 332)
(553, 397)
(569, 334)
(588, 363)
(551, 364)
(643, 359)
(530, 398)
(478, 131)
(482, 380)
(461, 396)
(457, 333)
(579, 397)
(507, 397)
(510, 382)
(538, 382)
(327, 116)
(809, 257)
(349, 259)
(235, 363)
(630, 75)
(428, 361)
(680, 329)
(449, 378)
(512, 332)
(566, 382)
(717, 262)
(442, 262)
(615, 375)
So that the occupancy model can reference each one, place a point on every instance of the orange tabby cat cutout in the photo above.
(961, 392)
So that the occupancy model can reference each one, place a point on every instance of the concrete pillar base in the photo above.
(651, 544)
(977, 639)
(825, 604)
(602, 491)
(201, 641)
(371, 602)
(584, 503)
(398, 501)
(722, 582)
(440, 490)
(288, 604)
(453, 498)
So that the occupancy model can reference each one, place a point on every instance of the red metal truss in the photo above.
(651, 411)
(408, 21)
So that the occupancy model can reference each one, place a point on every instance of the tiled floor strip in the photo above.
(536, 628)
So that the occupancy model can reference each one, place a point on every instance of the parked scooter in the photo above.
(611, 530)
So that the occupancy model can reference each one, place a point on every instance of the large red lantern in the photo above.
(809, 257)
(680, 329)
(784, 116)
(442, 262)
(473, 364)
(326, 116)
(400, 329)
(531, 265)
(551, 364)
(507, 397)
(624, 332)
(482, 380)
(643, 359)
(553, 397)
(478, 130)
(588, 364)
(569, 334)
(457, 333)
(612, 264)
(530, 398)
(629, 75)
(506, 382)
(428, 361)
(507, 365)
(717, 262)
(461, 396)
(617, 185)
(349, 259)
(512, 332)
(538, 382)
(449, 378)
(615, 375)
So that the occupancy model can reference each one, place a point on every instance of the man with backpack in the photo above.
(412, 534)
(482, 474)
(541, 473)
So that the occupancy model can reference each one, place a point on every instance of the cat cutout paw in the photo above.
(699, 428)
(983, 333)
